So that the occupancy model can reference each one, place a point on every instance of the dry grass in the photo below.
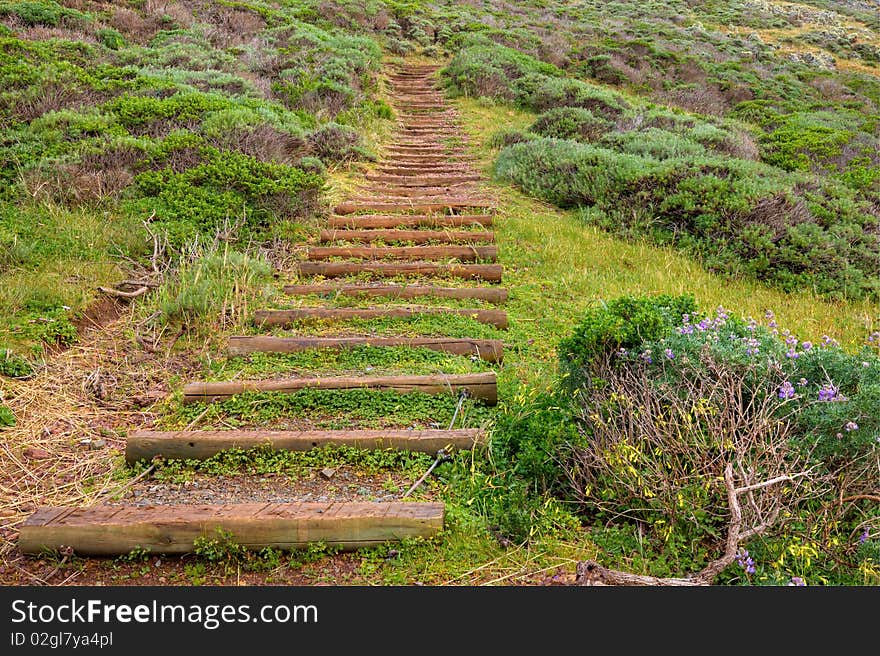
(94, 391)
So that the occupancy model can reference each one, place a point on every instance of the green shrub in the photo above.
(659, 419)
(336, 143)
(110, 38)
(222, 188)
(623, 323)
(504, 138)
(573, 123)
(740, 217)
(46, 13)
(7, 419)
(52, 327)
(13, 365)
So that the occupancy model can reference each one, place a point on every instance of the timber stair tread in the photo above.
(487, 272)
(461, 253)
(480, 386)
(202, 444)
(410, 220)
(489, 350)
(490, 294)
(107, 530)
(416, 236)
(497, 318)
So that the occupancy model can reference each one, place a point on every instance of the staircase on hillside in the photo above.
(424, 193)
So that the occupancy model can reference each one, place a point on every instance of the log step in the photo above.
(497, 318)
(478, 386)
(199, 445)
(425, 171)
(488, 272)
(421, 181)
(490, 294)
(412, 206)
(489, 350)
(416, 194)
(416, 236)
(173, 529)
(410, 220)
(462, 253)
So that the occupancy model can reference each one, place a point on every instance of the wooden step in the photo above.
(369, 205)
(422, 180)
(415, 236)
(410, 220)
(410, 193)
(199, 445)
(425, 171)
(489, 350)
(478, 386)
(497, 318)
(490, 294)
(462, 253)
(487, 272)
(173, 529)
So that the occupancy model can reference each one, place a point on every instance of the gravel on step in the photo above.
(346, 484)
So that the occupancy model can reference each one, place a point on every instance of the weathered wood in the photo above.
(421, 181)
(367, 205)
(490, 350)
(462, 253)
(173, 529)
(422, 170)
(497, 318)
(490, 294)
(415, 236)
(411, 220)
(487, 272)
(198, 445)
(478, 386)
(395, 191)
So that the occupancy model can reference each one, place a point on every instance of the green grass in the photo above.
(359, 360)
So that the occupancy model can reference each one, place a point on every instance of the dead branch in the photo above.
(121, 294)
(589, 572)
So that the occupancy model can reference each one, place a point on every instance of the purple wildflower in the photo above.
(797, 581)
(802, 382)
(752, 345)
(746, 561)
(686, 329)
(864, 536)
(806, 345)
(646, 356)
(851, 426)
(669, 354)
(828, 392)
(703, 325)
(786, 390)
(752, 325)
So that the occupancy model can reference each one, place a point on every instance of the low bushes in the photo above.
(739, 217)
(657, 399)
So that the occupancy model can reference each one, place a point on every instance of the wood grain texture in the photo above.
(113, 530)
(497, 318)
(410, 220)
(198, 445)
(461, 253)
(487, 272)
(489, 350)
(414, 236)
(490, 294)
(478, 386)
